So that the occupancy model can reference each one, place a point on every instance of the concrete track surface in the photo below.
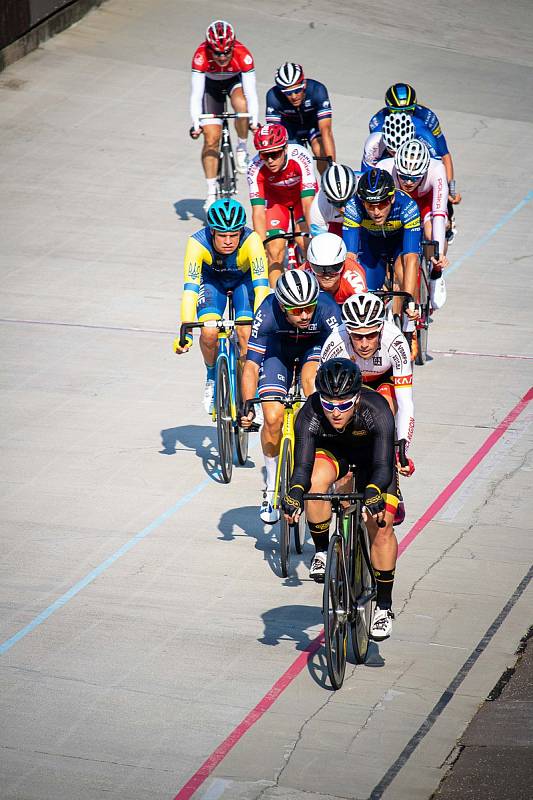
(143, 616)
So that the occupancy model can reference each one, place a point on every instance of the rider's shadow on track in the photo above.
(244, 521)
(201, 439)
(190, 207)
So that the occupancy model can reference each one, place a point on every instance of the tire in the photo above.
(364, 590)
(224, 421)
(299, 534)
(422, 328)
(284, 526)
(227, 183)
(335, 607)
(241, 436)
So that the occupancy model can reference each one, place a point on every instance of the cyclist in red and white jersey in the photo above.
(336, 274)
(278, 177)
(424, 179)
(221, 66)
(337, 185)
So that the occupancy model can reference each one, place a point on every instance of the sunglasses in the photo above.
(327, 272)
(297, 311)
(222, 53)
(370, 337)
(288, 92)
(272, 155)
(410, 178)
(382, 204)
(343, 406)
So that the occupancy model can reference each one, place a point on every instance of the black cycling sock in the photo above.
(320, 534)
(435, 273)
(384, 581)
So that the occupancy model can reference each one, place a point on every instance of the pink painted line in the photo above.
(210, 764)
(481, 355)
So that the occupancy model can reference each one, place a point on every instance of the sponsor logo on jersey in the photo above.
(439, 192)
(415, 223)
(403, 380)
(332, 322)
(270, 110)
(199, 59)
(281, 378)
(307, 103)
(247, 59)
(359, 433)
(411, 429)
(377, 361)
(325, 104)
(275, 221)
(258, 319)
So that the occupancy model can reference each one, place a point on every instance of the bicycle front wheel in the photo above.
(226, 181)
(422, 328)
(241, 435)
(224, 421)
(335, 608)
(364, 588)
(284, 526)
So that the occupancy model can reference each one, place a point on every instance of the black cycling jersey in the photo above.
(367, 440)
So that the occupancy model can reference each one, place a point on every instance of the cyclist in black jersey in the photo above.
(344, 423)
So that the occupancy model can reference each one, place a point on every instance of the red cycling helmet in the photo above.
(220, 36)
(270, 137)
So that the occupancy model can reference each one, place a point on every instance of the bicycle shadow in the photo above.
(244, 521)
(190, 208)
(202, 439)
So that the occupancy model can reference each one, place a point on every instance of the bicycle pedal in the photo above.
(254, 427)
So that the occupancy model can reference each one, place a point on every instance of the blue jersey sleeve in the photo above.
(351, 225)
(321, 101)
(410, 218)
(436, 148)
(263, 326)
(273, 107)
(330, 315)
(376, 123)
(431, 121)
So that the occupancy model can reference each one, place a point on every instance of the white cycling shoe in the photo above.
(437, 292)
(209, 396)
(317, 569)
(269, 515)
(381, 627)
(209, 200)
(242, 159)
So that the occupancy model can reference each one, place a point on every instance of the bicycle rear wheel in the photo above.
(284, 526)
(241, 436)
(299, 533)
(224, 421)
(422, 328)
(364, 588)
(335, 608)
(226, 178)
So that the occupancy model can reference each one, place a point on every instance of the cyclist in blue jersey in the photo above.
(397, 129)
(382, 223)
(293, 323)
(303, 106)
(224, 256)
(402, 97)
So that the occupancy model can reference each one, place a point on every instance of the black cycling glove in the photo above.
(293, 500)
(374, 501)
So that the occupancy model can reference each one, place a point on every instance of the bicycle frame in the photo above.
(293, 260)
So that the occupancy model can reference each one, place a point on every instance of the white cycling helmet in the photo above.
(397, 129)
(338, 183)
(296, 287)
(412, 158)
(289, 74)
(326, 253)
(363, 311)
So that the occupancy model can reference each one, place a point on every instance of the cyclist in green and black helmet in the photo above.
(225, 255)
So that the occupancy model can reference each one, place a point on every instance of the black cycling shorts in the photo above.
(216, 91)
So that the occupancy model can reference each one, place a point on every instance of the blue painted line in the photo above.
(74, 590)
(484, 239)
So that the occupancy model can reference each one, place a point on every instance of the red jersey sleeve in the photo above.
(243, 57)
(199, 59)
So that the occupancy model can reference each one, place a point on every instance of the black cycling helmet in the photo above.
(400, 97)
(375, 186)
(338, 377)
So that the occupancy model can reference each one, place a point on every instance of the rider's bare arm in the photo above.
(328, 142)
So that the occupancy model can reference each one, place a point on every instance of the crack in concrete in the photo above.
(86, 758)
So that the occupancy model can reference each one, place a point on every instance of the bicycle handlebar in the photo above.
(288, 236)
(431, 243)
(222, 324)
(393, 293)
(227, 115)
(336, 498)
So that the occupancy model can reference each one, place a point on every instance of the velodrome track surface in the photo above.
(143, 616)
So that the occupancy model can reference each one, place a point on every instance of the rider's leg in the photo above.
(211, 305)
(238, 101)
(275, 252)
(309, 371)
(273, 378)
(210, 150)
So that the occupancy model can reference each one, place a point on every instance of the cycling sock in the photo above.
(271, 466)
(210, 371)
(211, 185)
(435, 274)
(242, 144)
(384, 582)
(320, 534)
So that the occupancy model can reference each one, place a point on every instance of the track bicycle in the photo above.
(291, 404)
(349, 583)
(430, 249)
(294, 258)
(227, 398)
(227, 174)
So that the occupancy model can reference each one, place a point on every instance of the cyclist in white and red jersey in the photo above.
(336, 274)
(222, 66)
(424, 179)
(278, 177)
(337, 185)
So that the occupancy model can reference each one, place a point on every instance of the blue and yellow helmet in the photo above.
(400, 97)
(226, 215)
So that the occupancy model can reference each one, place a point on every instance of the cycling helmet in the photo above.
(297, 287)
(375, 186)
(326, 253)
(412, 158)
(220, 36)
(338, 183)
(338, 377)
(226, 215)
(397, 129)
(271, 136)
(289, 75)
(363, 311)
(400, 97)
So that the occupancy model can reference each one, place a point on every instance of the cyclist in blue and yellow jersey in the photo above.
(382, 223)
(291, 324)
(402, 97)
(224, 256)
